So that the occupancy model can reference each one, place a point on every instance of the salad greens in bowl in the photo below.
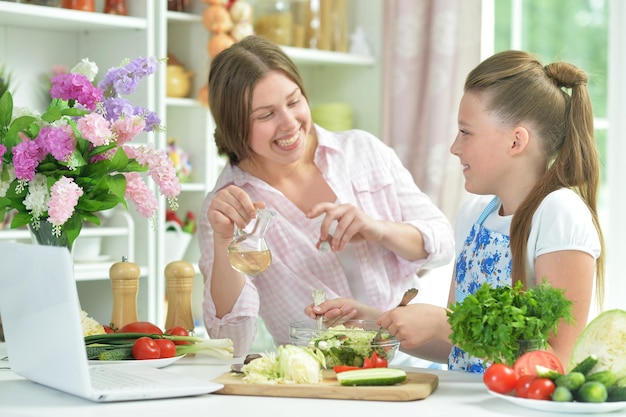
(349, 343)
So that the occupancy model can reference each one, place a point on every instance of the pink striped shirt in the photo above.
(362, 171)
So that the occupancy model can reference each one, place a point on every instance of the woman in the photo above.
(347, 189)
(527, 150)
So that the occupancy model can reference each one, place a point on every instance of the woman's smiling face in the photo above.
(280, 120)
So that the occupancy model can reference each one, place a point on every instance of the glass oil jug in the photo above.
(248, 251)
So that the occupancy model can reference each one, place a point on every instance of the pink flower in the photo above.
(160, 168)
(127, 128)
(95, 129)
(76, 87)
(64, 195)
(137, 191)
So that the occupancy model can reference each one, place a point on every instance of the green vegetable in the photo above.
(489, 323)
(545, 372)
(117, 354)
(292, 364)
(372, 376)
(586, 364)
(562, 394)
(94, 351)
(572, 381)
(592, 392)
(616, 393)
(219, 348)
(604, 336)
(607, 377)
(351, 346)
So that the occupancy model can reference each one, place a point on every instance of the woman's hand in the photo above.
(352, 225)
(338, 310)
(230, 206)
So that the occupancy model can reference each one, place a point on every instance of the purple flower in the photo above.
(75, 87)
(56, 141)
(26, 156)
(124, 80)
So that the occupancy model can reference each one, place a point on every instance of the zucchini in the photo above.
(607, 377)
(616, 393)
(117, 354)
(372, 376)
(545, 372)
(586, 364)
(592, 392)
(94, 351)
(571, 380)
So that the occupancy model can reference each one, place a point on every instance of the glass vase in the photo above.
(44, 236)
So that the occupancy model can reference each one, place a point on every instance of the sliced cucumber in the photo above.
(372, 376)
(545, 372)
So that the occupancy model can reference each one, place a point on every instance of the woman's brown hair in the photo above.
(233, 75)
(555, 100)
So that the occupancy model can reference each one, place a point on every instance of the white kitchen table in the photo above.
(458, 394)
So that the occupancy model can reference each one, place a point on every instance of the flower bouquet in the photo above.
(60, 168)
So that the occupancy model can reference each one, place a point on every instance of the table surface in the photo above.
(458, 394)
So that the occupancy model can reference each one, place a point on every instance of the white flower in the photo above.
(36, 201)
(87, 68)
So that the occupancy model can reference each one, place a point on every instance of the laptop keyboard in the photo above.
(109, 378)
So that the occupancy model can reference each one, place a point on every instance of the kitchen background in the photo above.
(392, 67)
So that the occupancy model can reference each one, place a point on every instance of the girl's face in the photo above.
(280, 120)
(482, 146)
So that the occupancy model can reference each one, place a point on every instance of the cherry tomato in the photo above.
(500, 378)
(343, 368)
(108, 329)
(146, 348)
(541, 389)
(140, 327)
(178, 331)
(527, 363)
(523, 384)
(166, 347)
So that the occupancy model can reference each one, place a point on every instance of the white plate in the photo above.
(99, 258)
(561, 407)
(154, 363)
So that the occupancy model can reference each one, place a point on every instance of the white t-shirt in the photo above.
(562, 222)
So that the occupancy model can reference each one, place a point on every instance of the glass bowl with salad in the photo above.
(349, 343)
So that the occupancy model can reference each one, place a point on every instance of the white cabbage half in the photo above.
(604, 336)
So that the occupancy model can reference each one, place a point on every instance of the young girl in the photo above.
(527, 149)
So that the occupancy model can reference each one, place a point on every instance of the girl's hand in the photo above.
(416, 324)
(230, 206)
(352, 225)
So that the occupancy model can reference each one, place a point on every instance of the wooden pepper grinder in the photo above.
(125, 285)
(179, 284)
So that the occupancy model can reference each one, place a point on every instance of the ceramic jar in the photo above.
(178, 81)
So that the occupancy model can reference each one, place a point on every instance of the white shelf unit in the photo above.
(34, 38)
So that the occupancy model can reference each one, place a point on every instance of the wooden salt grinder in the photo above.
(125, 285)
(179, 285)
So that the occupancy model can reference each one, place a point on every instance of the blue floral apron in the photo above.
(485, 257)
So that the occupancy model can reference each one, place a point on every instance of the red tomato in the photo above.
(140, 327)
(146, 348)
(166, 347)
(523, 384)
(342, 368)
(108, 329)
(500, 378)
(541, 389)
(375, 361)
(178, 331)
(527, 363)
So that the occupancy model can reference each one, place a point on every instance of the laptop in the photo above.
(40, 312)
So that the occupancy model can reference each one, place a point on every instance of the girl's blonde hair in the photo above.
(519, 88)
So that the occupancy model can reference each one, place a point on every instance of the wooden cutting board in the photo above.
(416, 387)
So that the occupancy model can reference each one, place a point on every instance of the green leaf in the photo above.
(117, 184)
(20, 219)
(6, 109)
(52, 114)
(119, 161)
